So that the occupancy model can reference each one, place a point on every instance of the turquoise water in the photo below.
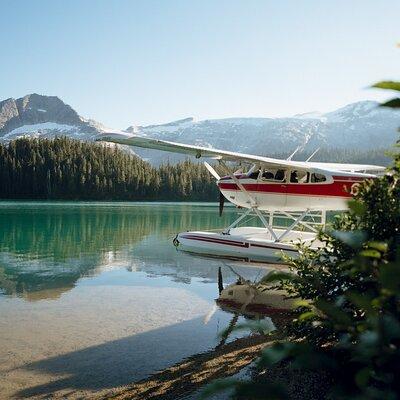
(83, 285)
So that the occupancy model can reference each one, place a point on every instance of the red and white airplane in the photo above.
(294, 188)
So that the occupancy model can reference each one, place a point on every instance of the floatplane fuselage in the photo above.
(290, 189)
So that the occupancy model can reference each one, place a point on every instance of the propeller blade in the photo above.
(220, 281)
(221, 203)
(212, 171)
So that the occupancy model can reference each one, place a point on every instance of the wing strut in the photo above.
(212, 171)
(291, 156)
(313, 154)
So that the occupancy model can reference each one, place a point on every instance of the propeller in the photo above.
(220, 281)
(221, 203)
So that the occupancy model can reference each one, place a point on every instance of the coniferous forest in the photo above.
(69, 169)
(64, 168)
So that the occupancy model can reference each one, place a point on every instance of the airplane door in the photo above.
(272, 191)
(284, 197)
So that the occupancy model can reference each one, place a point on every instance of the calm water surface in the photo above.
(94, 295)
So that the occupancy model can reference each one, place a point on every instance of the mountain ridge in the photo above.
(361, 125)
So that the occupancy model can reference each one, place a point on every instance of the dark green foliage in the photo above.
(347, 323)
(64, 168)
(390, 85)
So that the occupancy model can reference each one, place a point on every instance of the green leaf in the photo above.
(389, 85)
(218, 386)
(393, 103)
(389, 276)
(362, 301)
(356, 207)
(354, 239)
(307, 358)
(381, 246)
(362, 377)
(275, 276)
(302, 303)
(307, 315)
(276, 353)
(262, 391)
(391, 327)
(334, 313)
(370, 253)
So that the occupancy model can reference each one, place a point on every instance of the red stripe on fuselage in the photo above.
(336, 189)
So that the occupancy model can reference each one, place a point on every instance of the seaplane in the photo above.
(270, 189)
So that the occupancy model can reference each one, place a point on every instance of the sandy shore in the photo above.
(192, 373)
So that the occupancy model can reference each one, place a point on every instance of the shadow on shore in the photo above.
(121, 362)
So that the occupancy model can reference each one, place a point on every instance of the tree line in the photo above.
(64, 168)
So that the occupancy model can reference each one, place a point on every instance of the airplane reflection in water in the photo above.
(252, 300)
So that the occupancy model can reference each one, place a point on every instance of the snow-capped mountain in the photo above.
(36, 115)
(361, 125)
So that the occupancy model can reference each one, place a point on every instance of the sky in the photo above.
(127, 62)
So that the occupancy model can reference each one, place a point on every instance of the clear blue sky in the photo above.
(141, 62)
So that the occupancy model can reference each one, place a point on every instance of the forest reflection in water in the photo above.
(47, 247)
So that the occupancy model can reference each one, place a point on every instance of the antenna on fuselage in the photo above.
(313, 154)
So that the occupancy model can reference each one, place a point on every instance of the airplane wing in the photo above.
(206, 152)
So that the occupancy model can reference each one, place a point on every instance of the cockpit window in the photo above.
(268, 175)
(299, 176)
(254, 175)
(273, 175)
(280, 175)
(315, 178)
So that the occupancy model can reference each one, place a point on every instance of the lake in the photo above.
(94, 295)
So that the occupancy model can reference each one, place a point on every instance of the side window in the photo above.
(268, 175)
(254, 175)
(280, 175)
(299, 176)
(273, 175)
(315, 178)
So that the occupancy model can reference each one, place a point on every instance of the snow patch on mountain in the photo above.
(46, 129)
(39, 130)
(361, 109)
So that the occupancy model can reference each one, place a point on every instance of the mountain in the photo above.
(362, 125)
(36, 115)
